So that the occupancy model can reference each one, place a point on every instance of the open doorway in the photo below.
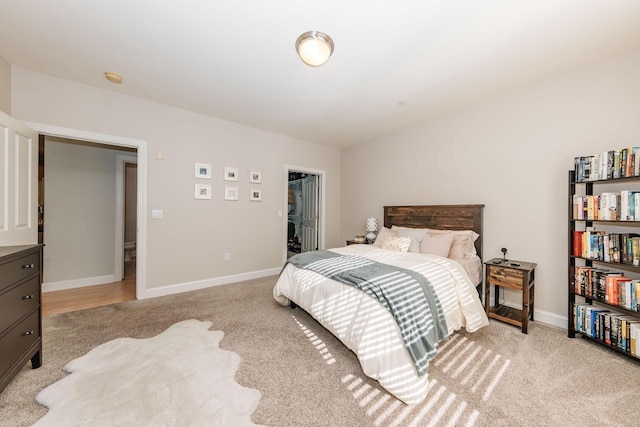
(140, 147)
(305, 213)
(80, 180)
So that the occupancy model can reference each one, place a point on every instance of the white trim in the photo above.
(121, 159)
(321, 221)
(550, 318)
(208, 283)
(77, 283)
(141, 147)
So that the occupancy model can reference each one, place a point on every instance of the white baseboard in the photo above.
(549, 318)
(77, 283)
(207, 283)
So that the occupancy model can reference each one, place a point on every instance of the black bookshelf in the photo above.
(588, 262)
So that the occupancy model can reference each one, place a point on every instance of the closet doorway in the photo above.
(305, 210)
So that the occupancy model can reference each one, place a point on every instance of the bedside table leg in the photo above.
(532, 299)
(525, 305)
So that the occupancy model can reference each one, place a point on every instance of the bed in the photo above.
(369, 329)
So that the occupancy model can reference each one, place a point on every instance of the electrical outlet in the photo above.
(227, 256)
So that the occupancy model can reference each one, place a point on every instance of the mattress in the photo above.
(368, 329)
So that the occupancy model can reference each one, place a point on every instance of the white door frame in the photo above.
(322, 174)
(121, 159)
(117, 141)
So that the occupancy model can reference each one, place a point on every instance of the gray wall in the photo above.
(80, 206)
(511, 153)
(5, 86)
(189, 243)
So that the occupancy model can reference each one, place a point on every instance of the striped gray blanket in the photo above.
(407, 295)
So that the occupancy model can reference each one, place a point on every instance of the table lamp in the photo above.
(372, 227)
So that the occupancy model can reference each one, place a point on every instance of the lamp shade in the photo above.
(315, 48)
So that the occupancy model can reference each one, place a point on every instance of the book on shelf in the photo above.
(621, 248)
(611, 287)
(577, 243)
(610, 164)
(634, 336)
(625, 323)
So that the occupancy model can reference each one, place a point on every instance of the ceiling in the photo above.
(396, 63)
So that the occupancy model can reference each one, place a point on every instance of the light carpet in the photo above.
(495, 377)
(179, 377)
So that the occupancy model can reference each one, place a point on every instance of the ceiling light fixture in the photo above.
(113, 77)
(315, 48)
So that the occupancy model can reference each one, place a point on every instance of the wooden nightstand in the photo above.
(353, 242)
(511, 274)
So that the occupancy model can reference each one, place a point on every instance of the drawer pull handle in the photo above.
(28, 266)
(28, 333)
(27, 297)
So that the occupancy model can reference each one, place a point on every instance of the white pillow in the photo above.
(462, 246)
(416, 235)
(437, 244)
(398, 244)
(382, 235)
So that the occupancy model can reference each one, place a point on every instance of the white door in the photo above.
(18, 183)
(310, 196)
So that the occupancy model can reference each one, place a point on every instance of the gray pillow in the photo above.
(416, 235)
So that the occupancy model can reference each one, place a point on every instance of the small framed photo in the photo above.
(230, 174)
(203, 191)
(255, 195)
(255, 177)
(231, 193)
(203, 170)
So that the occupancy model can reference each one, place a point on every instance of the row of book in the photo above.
(608, 286)
(622, 206)
(614, 329)
(623, 248)
(611, 164)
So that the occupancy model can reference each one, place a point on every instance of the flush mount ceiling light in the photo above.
(113, 77)
(315, 48)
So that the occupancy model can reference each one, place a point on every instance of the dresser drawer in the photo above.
(19, 301)
(18, 269)
(18, 340)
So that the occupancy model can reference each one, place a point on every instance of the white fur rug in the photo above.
(180, 377)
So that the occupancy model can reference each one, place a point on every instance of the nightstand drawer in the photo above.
(507, 277)
(18, 269)
(19, 301)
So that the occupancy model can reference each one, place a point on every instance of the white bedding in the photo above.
(473, 268)
(367, 328)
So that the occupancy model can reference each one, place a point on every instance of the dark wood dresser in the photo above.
(20, 312)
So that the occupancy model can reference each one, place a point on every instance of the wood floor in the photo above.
(91, 296)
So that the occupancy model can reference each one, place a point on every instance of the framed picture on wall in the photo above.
(202, 191)
(230, 173)
(203, 170)
(255, 177)
(255, 195)
(231, 193)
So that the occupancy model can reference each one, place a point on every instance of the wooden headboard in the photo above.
(442, 217)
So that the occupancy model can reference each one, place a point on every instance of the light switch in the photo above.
(159, 155)
(156, 213)
(279, 214)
